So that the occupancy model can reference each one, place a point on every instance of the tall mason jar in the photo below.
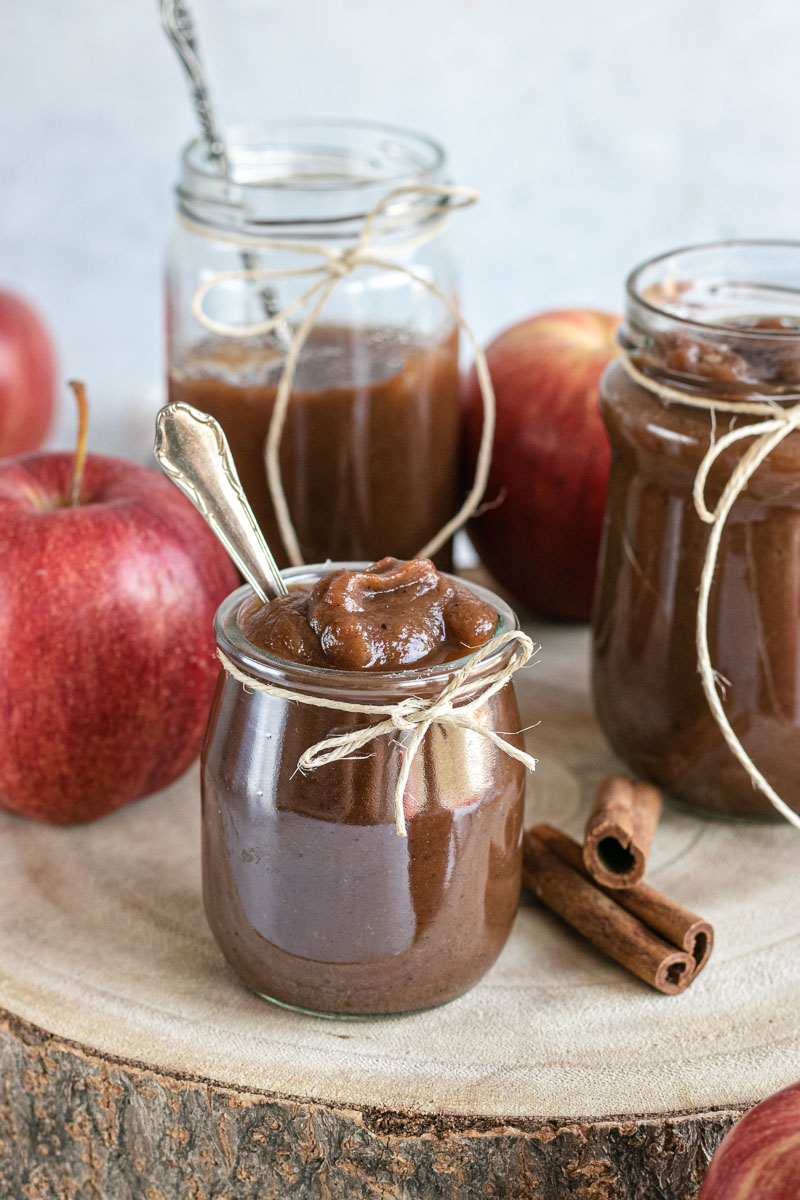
(715, 324)
(368, 455)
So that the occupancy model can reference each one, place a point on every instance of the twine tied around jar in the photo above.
(776, 425)
(413, 715)
(425, 203)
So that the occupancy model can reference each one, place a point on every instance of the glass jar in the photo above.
(314, 899)
(370, 446)
(722, 323)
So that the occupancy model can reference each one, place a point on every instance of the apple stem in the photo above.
(79, 390)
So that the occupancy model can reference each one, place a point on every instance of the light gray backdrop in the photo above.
(598, 134)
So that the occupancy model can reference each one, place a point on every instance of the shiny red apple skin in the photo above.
(551, 459)
(27, 377)
(107, 662)
(759, 1159)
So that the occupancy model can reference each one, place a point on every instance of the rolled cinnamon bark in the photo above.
(666, 917)
(620, 830)
(599, 917)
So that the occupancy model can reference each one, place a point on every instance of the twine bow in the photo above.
(428, 204)
(414, 715)
(777, 424)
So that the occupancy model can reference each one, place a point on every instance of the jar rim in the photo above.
(305, 171)
(637, 299)
(263, 665)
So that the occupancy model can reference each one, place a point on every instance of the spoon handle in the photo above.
(192, 449)
(178, 22)
(179, 25)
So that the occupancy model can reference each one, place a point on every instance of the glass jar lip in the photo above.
(637, 299)
(304, 171)
(260, 663)
(238, 136)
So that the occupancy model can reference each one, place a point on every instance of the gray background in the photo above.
(598, 134)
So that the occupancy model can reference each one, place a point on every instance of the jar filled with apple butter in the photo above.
(699, 513)
(314, 897)
(368, 452)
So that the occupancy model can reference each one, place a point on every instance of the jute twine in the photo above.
(777, 424)
(414, 715)
(426, 204)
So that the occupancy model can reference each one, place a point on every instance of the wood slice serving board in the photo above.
(134, 1065)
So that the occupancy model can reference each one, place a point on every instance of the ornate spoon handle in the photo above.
(179, 25)
(192, 449)
(178, 22)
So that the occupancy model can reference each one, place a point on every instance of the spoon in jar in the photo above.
(193, 451)
(178, 22)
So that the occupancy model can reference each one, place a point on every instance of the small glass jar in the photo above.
(720, 322)
(369, 452)
(314, 899)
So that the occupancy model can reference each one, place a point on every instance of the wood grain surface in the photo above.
(134, 1065)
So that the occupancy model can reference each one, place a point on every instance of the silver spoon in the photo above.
(192, 449)
(179, 24)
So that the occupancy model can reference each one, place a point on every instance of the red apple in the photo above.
(107, 663)
(760, 1158)
(539, 534)
(27, 377)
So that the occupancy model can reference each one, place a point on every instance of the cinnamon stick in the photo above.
(620, 830)
(601, 919)
(676, 924)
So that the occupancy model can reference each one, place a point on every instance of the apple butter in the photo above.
(721, 322)
(369, 453)
(390, 616)
(314, 899)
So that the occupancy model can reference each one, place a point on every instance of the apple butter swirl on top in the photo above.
(391, 616)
